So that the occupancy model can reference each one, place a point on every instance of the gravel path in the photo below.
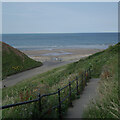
(80, 104)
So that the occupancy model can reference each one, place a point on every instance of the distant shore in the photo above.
(60, 54)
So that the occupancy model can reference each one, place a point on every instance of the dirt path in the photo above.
(13, 79)
(80, 104)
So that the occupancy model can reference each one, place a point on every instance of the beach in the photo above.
(51, 59)
(60, 54)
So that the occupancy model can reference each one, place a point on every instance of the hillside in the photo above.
(103, 64)
(106, 104)
(14, 61)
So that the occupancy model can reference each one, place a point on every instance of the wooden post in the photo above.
(40, 107)
(59, 108)
(77, 85)
(70, 94)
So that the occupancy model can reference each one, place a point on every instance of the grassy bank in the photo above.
(14, 61)
(106, 104)
(52, 80)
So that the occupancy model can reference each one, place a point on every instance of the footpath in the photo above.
(80, 104)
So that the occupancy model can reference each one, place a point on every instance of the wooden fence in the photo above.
(85, 76)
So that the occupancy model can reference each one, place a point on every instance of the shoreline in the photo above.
(49, 63)
(60, 54)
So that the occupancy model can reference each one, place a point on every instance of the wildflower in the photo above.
(35, 90)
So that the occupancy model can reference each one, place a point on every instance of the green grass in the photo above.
(57, 78)
(106, 104)
(14, 61)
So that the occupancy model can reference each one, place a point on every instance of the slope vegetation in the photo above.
(14, 61)
(103, 64)
(106, 104)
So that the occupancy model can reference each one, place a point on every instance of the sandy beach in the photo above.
(60, 54)
(50, 59)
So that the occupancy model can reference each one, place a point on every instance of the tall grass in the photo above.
(43, 83)
(101, 65)
(107, 101)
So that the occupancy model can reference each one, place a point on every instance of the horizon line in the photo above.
(61, 32)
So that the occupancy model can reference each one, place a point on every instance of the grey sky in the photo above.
(60, 17)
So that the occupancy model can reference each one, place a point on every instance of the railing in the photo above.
(85, 76)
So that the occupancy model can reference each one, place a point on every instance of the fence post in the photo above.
(59, 108)
(77, 85)
(82, 82)
(85, 78)
(40, 107)
(89, 73)
(70, 93)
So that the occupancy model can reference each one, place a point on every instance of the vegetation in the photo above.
(14, 61)
(106, 104)
(102, 66)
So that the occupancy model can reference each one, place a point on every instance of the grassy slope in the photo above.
(106, 104)
(59, 77)
(14, 61)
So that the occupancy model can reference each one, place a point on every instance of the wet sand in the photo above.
(60, 54)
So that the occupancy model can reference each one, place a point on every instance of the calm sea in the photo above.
(59, 41)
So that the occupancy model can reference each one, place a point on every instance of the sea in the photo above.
(50, 41)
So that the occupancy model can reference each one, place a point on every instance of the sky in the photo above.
(59, 17)
(60, 0)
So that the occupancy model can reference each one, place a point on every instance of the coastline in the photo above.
(49, 62)
(60, 54)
